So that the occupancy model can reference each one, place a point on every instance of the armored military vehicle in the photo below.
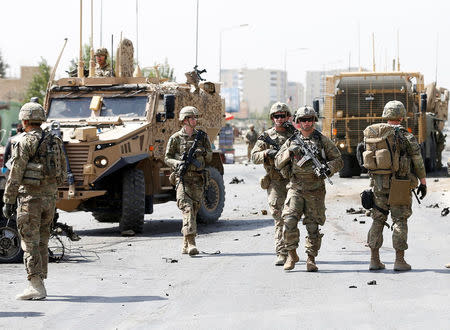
(355, 100)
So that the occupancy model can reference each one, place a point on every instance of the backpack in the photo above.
(382, 149)
(50, 153)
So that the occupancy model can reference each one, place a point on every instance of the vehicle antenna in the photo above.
(112, 56)
(437, 47)
(398, 50)
(91, 60)
(52, 75)
(373, 52)
(80, 60)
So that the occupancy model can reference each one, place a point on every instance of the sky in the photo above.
(298, 35)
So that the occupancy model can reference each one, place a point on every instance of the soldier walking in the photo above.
(306, 189)
(190, 187)
(250, 138)
(273, 181)
(391, 153)
(38, 166)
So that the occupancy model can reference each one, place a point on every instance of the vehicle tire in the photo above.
(347, 170)
(214, 198)
(133, 201)
(10, 250)
(106, 216)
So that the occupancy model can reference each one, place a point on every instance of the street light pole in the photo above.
(220, 45)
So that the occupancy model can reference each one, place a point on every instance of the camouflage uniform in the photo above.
(35, 200)
(276, 191)
(411, 158)
(105, 70)
(250, 139)
(189, 192)
(306, 191)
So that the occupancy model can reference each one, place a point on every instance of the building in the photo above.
(295, 95)
(258, 88)
(14, 89)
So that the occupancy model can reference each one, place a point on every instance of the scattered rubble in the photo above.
(264, 212)
(434, 206)
(352, 287)
(353, 211)
(170, 260)
(445, 211)
(235, 180)
(256, 235)
(128, 233)
(373, 282)
(362, 221)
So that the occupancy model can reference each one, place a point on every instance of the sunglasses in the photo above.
(279, 116)
(303, 120)
(192, 117)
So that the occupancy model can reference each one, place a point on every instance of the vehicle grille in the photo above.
(78, 156)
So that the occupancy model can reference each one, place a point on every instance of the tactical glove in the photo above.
(422, 190)
(199, 152)
(272, 153)
(8, 210)
(324, 173)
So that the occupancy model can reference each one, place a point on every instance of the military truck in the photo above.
(355, 100)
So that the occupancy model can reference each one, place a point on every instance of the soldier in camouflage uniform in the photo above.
(273, 181)
(190, 190)
(38, 167)
(102, 68)
(306, 190)
(250, 138)
(394, 112)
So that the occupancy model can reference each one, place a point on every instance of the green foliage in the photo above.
(38, 85)
(3, 66)
(86, 57)
(165, 71)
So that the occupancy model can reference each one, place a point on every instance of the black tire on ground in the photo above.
(347, 170)
(214, 200)
(133, 201)
(106, 216)
(10, 250)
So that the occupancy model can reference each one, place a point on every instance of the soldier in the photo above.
(102, 68)
(306, 189)
(38, 167)
(191, 187)
(250, 138)
(273, 181)
(387, 184)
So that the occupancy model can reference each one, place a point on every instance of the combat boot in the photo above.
(400, 264)
(281, 259)
(184, 249)
(192, 249)
(311, 264)
(375, 263)
(35, 291)
(292, 258)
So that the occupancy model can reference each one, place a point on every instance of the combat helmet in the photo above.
(101, 52)
(32, 111)
(279, 107)
(188, 111)
(394, 110)
(304, 112)
(251, 126)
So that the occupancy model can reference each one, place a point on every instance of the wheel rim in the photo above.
(211, 199)
(9, 243)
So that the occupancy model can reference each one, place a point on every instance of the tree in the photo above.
(165, 71)
(3, 66)
(73, 68)
(38, 85)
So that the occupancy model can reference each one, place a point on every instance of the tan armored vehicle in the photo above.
(355, 100)
(115, 131)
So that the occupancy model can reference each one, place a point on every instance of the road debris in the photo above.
(235, 180)
(211, 253)
(353, 211)
(362, 221)
(434, 206)
(170, 260)
(256, 235)
(264, 212)
(445, 211)
(373, 282)
(128, 233)
(352, 287)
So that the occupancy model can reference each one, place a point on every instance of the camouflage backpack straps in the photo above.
(55, 155)
(381, 155)
(34, 171)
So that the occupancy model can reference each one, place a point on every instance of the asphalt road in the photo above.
(111, 282)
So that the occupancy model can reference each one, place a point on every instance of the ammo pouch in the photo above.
(265, 181)
(33, 174)
(400, 192)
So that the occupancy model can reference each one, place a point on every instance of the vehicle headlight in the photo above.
(341, 145)
(101, 161)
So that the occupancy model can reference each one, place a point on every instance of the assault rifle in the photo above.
(267, 139)
(188, 157)
(308, 153)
